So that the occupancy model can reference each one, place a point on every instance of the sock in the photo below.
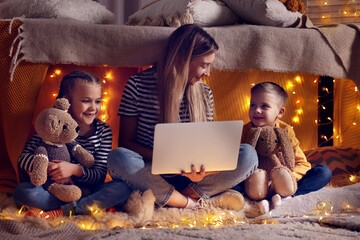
(191, 203)
(47, 215)
(264, 206)
(276, 200)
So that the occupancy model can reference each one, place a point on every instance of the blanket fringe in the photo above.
(15, 58)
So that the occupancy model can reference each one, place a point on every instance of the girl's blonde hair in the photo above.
(185, 43)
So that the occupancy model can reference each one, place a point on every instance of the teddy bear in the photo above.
(294, 6)
(276, 163)
(58, 131)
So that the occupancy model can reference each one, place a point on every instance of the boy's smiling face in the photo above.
(265, 108)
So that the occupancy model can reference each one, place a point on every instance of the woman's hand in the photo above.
(197, 176)
(61, 171)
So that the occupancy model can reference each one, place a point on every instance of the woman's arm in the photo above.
(127, 138)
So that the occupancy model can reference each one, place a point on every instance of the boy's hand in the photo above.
(197, 176)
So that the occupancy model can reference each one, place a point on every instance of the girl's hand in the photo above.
(197, 176)
(61, 171)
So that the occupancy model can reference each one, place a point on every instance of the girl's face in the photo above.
(85, 102)
(199, 67)
(265, 109)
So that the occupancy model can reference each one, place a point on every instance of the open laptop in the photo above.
(178, 145)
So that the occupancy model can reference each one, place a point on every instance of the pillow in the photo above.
(338, 159)
(264, 12)
(83, 10)
(205, 13)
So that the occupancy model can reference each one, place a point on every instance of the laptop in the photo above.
(178, 145)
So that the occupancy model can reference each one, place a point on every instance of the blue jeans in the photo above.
(110, 194)
(124, 164)
(314, 179)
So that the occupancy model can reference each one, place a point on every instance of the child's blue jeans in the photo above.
(124, 164)
(110, 194)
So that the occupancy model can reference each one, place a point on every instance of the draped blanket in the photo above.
(332, 50)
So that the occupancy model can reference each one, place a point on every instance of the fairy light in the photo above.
(352, 178)
(57, 71)
(21, 209)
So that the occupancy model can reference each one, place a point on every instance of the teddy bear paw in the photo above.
(65, 193)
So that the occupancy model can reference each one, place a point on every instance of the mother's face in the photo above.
(199, 67)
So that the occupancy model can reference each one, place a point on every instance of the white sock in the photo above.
(191, 203)
(276, 200)
(264, 206)
(286, 198)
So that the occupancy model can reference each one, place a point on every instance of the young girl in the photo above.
(83, 90)
(172, 91)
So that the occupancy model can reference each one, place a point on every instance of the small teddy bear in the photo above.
(58, 131)
(276, 163)
(294, 6)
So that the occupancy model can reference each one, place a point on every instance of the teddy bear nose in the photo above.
(77, 129)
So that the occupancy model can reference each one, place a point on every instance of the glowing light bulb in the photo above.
(296, 119)
(109, 75)
(352, 178)
(57, 71)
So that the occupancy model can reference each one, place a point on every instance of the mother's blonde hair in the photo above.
(185, 43)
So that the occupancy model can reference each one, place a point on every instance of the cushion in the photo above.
(205, 13)
(264, 12)
(338, 159)
(83, 10)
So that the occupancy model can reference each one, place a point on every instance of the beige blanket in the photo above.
(298, 218)
(331, 50)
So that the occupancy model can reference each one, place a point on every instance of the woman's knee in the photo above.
(122, 160)
(248, 156)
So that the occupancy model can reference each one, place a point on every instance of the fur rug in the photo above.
(331, 213)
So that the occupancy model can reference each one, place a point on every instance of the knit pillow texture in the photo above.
(82, 10)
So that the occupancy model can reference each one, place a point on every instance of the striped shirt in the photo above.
(140, 100)
(99, 145)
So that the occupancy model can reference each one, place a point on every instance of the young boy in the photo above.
(267, 106)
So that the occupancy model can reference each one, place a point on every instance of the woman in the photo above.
(172, 91)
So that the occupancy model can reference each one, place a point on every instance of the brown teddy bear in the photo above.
(294, 6)
(276, 163)
(58, 131)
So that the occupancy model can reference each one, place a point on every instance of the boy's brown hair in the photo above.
(272, 88)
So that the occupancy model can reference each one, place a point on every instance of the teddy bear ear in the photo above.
(62, 104)
(52, 124)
